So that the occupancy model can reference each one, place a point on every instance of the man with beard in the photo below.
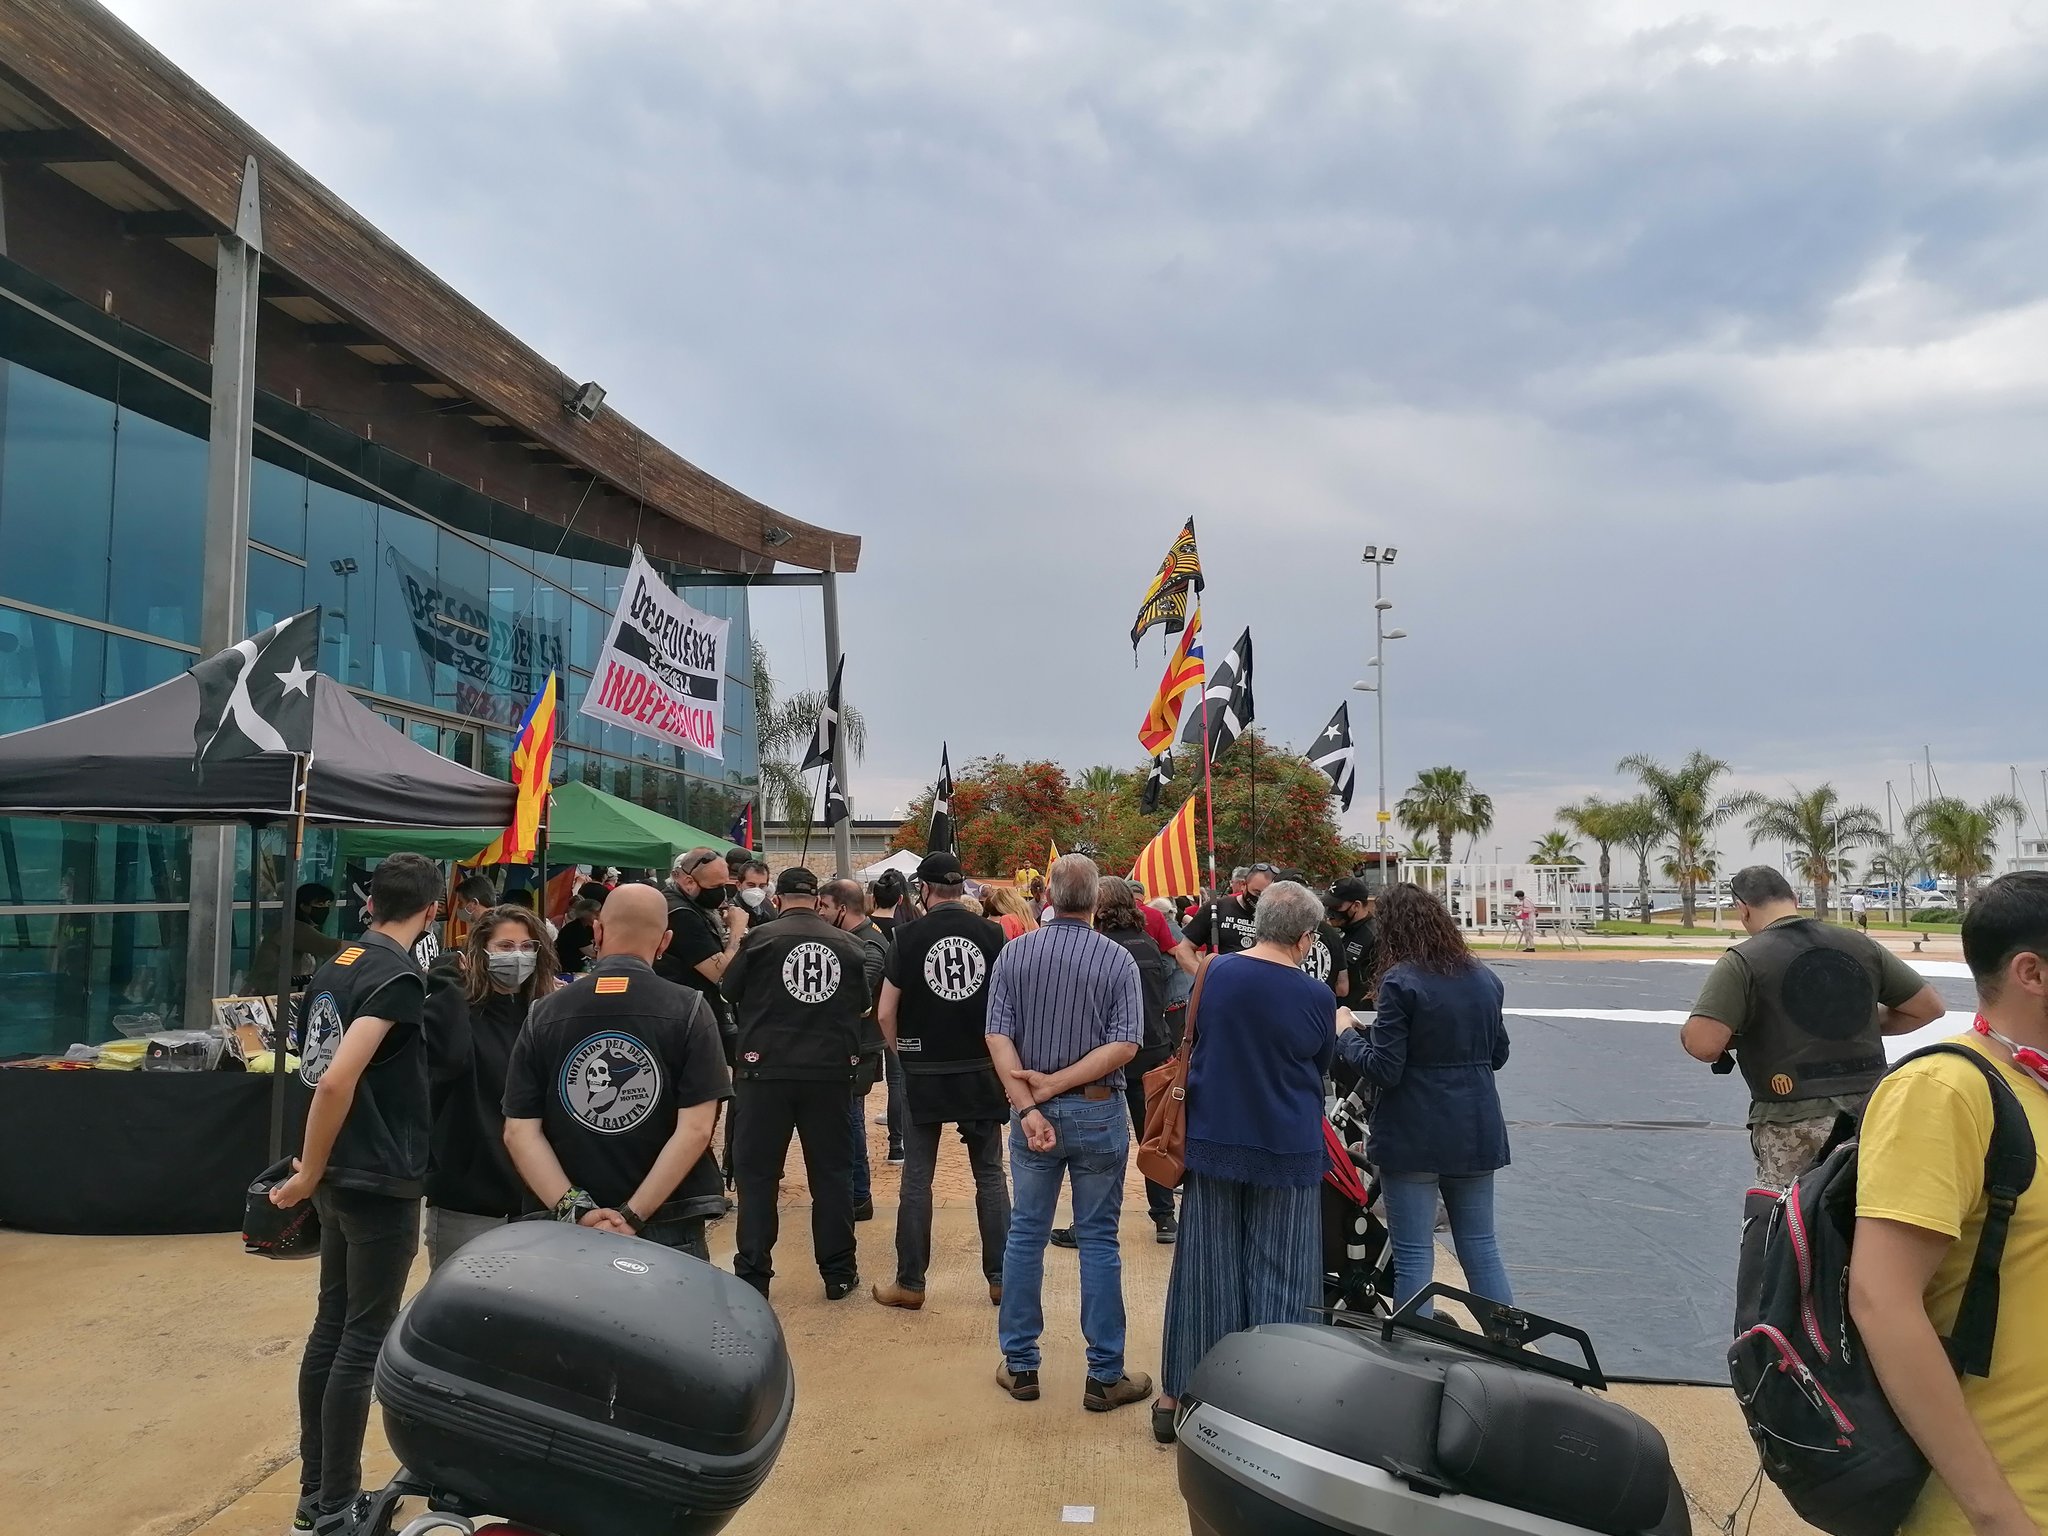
(705, 928)
(1223, 926)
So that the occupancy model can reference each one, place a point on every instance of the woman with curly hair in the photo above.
(472, 1186)
(1432, 1051)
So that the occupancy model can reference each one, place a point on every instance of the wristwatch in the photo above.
(633, 1218)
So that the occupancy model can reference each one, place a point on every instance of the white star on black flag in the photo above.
(1156, 782)
(257, 696)
(825, 736)
(940, 839)
(836, 807)
(1228, 698)
(1333, 754)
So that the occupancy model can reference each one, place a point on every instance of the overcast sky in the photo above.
(1693, 356)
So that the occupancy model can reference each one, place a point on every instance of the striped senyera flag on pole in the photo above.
(1168, 866)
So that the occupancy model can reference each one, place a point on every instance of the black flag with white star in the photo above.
(836, 808)
(941, 838)
(825, 736)
(257, 696)
(1228, 698)
(1333, 754)
(1156, 782)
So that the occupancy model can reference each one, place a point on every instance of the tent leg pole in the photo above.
(281, 1034)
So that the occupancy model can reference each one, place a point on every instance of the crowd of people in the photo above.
(584, 1073)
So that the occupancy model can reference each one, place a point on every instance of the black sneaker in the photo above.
(1165, 1229)
(864, 1211)
(896, 1155)
(1063, 1237)
(344, 1521)
(308, 1510)
(839, 1290)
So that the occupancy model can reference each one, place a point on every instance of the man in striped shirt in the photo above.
(1065, 1015)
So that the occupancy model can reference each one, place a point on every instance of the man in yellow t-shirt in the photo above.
(1920, 1206)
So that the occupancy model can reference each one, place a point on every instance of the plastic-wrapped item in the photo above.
(89, 1054)
(122, 1055)
(182, 1050)
(137, 1026)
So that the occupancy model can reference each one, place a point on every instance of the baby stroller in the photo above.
(1358, 1262)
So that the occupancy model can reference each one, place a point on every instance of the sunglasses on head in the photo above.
(1262, 869)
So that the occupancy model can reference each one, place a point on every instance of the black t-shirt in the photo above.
(1361, 955)
(605, 1064)
(573, 944)
(382, 1144)
(694, 936)
(1325, 957)
(426, 949)
(941, 964)
(1233, 925)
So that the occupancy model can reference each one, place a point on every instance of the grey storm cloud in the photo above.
(1692, 358)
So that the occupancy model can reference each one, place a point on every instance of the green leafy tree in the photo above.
(1274, 807)
(782, 731)
(1595, 819)
(1556, 848)
(1421, 849)
(1638, 826)
(1004, 815)
(1817, 828)
(1962, 839)
(1443, 803)
(1899, 861)
(1690, 810)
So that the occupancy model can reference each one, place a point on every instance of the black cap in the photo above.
(941, 869)
(1351, 888)
(796, 881)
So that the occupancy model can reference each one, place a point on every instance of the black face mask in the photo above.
(1250, 899)
(712, 897)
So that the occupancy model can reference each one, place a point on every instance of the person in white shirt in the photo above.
(1859, 908)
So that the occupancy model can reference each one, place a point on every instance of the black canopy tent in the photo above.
(131, 761)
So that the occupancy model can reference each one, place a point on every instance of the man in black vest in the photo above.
(934, 1012)
(614, 1086)
(1804, 1006)
(1351, 910)
(363, 1164)
(843, 904)
(798, 988)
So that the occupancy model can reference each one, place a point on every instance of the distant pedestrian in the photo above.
(1859, 908)
(1804, 1006)
(1251, 1241)
(1065, 1018)
(1525, 919)
(1433, 1049)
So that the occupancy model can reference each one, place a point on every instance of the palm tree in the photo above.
(1962, 839)
(1896, 861)
(1638, 826)
(1594, 818)
(1684, 797)
(1420, 849)
(1816, 827)
(782, 728)
(1096, 793)
(1443, 802)
(1556, 848)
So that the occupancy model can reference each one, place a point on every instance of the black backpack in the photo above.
(1827, 1436)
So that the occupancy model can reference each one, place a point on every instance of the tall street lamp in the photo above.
(1379, 559)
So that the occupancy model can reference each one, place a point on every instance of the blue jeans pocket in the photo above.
(1097, 1139)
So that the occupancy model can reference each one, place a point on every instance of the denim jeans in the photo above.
(863, 1172)
(1411, 1223)
(1093, 1146)
(367, 1243)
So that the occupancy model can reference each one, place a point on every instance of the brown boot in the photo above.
(995, 1293)
(894, 1295)
(1101, 1396)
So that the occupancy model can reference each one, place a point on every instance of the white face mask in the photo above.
(753, 896)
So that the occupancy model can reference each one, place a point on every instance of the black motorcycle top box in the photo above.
(587, 1384)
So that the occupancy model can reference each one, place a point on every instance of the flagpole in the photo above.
(804, 853)
(1208, 792)
(540, 852)
(302, 773)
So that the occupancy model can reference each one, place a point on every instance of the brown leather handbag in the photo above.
(1163, 1154)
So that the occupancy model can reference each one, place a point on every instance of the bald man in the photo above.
(614, 1089)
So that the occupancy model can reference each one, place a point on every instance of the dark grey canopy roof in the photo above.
(132, 761)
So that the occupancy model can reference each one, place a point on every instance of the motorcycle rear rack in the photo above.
(1506, 1333)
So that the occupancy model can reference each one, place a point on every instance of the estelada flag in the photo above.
(1183, 672)
(1166, 600)
(533, 760)
(1168, 866)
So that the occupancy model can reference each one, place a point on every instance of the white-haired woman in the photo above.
(1250, 1249)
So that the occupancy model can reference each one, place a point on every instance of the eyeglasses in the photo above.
(1262, 869)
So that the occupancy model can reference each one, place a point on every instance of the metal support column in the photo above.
(842, 835)
(223, 614)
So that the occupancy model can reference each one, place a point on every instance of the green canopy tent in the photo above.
(585, 826)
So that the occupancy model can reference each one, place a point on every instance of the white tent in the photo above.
(904, 863)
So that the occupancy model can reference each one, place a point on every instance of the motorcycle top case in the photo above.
(587, 1384)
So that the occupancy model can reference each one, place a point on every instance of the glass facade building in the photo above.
(441, 608)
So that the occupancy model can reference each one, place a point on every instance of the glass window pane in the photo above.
(133, 665)
(410, 627)
(277, 590)
(56, 492)
(64, 977)
(48, 669)
(158, 528)
(277, 497)
(340, 576)
(468, 683)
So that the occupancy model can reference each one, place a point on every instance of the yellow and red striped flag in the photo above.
(533, 760)
(1183, 672)
(1168, 866)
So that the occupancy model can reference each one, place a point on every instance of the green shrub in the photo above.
(1934, 915)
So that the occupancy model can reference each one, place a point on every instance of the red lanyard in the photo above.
(2025, 1057)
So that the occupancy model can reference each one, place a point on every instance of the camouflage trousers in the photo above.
(1783, 1152)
